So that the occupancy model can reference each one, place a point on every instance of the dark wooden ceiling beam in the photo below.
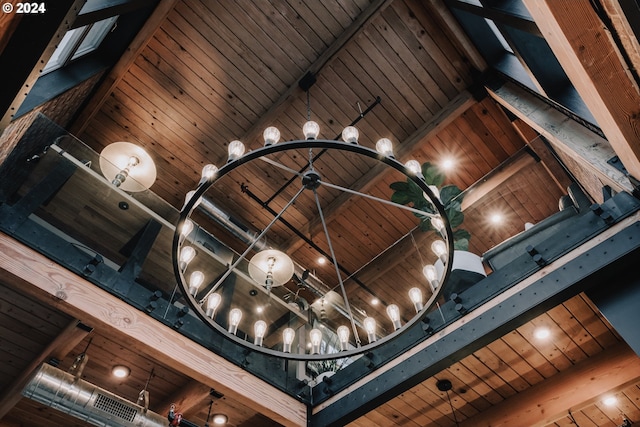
(122, 66)
(610, 371)
(61, 345)
(592, 61)
(52, 284)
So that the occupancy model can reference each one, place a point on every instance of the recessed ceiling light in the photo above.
(219, 419)
(375, 301)
(259, 309)
(610, 400)
(496, 218)
(542, 333)
(447, 163)
(322, 260)
(120, 371)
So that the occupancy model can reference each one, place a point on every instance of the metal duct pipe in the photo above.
(87, 402)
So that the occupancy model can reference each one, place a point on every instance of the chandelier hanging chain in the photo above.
(251, 246)
(337, 268)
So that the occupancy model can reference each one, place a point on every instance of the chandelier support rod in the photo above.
(250, 247)
(337, 267)
(304, 168)
(308, 241)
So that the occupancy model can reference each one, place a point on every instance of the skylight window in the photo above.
(79, 42)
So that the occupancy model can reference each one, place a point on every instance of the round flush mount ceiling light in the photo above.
(120, 371)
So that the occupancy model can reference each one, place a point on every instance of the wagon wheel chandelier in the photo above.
(222, 304)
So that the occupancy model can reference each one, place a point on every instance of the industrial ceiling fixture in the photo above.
(128, 166)
(278, 325)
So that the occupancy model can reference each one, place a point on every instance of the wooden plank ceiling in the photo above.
(217, 71)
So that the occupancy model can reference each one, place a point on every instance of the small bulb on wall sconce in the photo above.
(287, 339)
(343, 336)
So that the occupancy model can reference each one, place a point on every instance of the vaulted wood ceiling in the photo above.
(202, 74)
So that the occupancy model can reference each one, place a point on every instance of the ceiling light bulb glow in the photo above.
(195, 280)
(236, 150)
(213, 302)
(234, 320)
(369, 324)
(271, 135)
(394, 314)
(431, 274)
(542, 333)
(414, 167)
(187, 254)
(610, 400)
(350, 134)
(447, 163)
(208, 173)
(384, 146)
(415, 294)
(315, 336)
(187, 228)
(439, 247)
(311, 130)
(120, 371)
(343, 336)
(259, 329)
(219, 419)
(287, 339)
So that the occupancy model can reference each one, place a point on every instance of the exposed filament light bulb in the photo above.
(271, 135)
(431, 274)
(414, 167)
(350, 134)
(439, 247)
(384, 146)
(186, 229)
(195, 280)
(370, 326)
(415, 294)
(438, 224)
(311, 130)
(259, 329)
(213, 302)
(315, 336)
(343, 337)
(287, 339)
(208, 173)
(187, 254)
(188, 197)
(394, 314)
(234, 320)
(236, 150)
(121, 176)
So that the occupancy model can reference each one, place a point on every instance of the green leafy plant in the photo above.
(408, 193)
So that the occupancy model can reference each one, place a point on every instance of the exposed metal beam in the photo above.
(611, 252)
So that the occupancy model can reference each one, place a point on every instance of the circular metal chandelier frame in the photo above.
(390, 161)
